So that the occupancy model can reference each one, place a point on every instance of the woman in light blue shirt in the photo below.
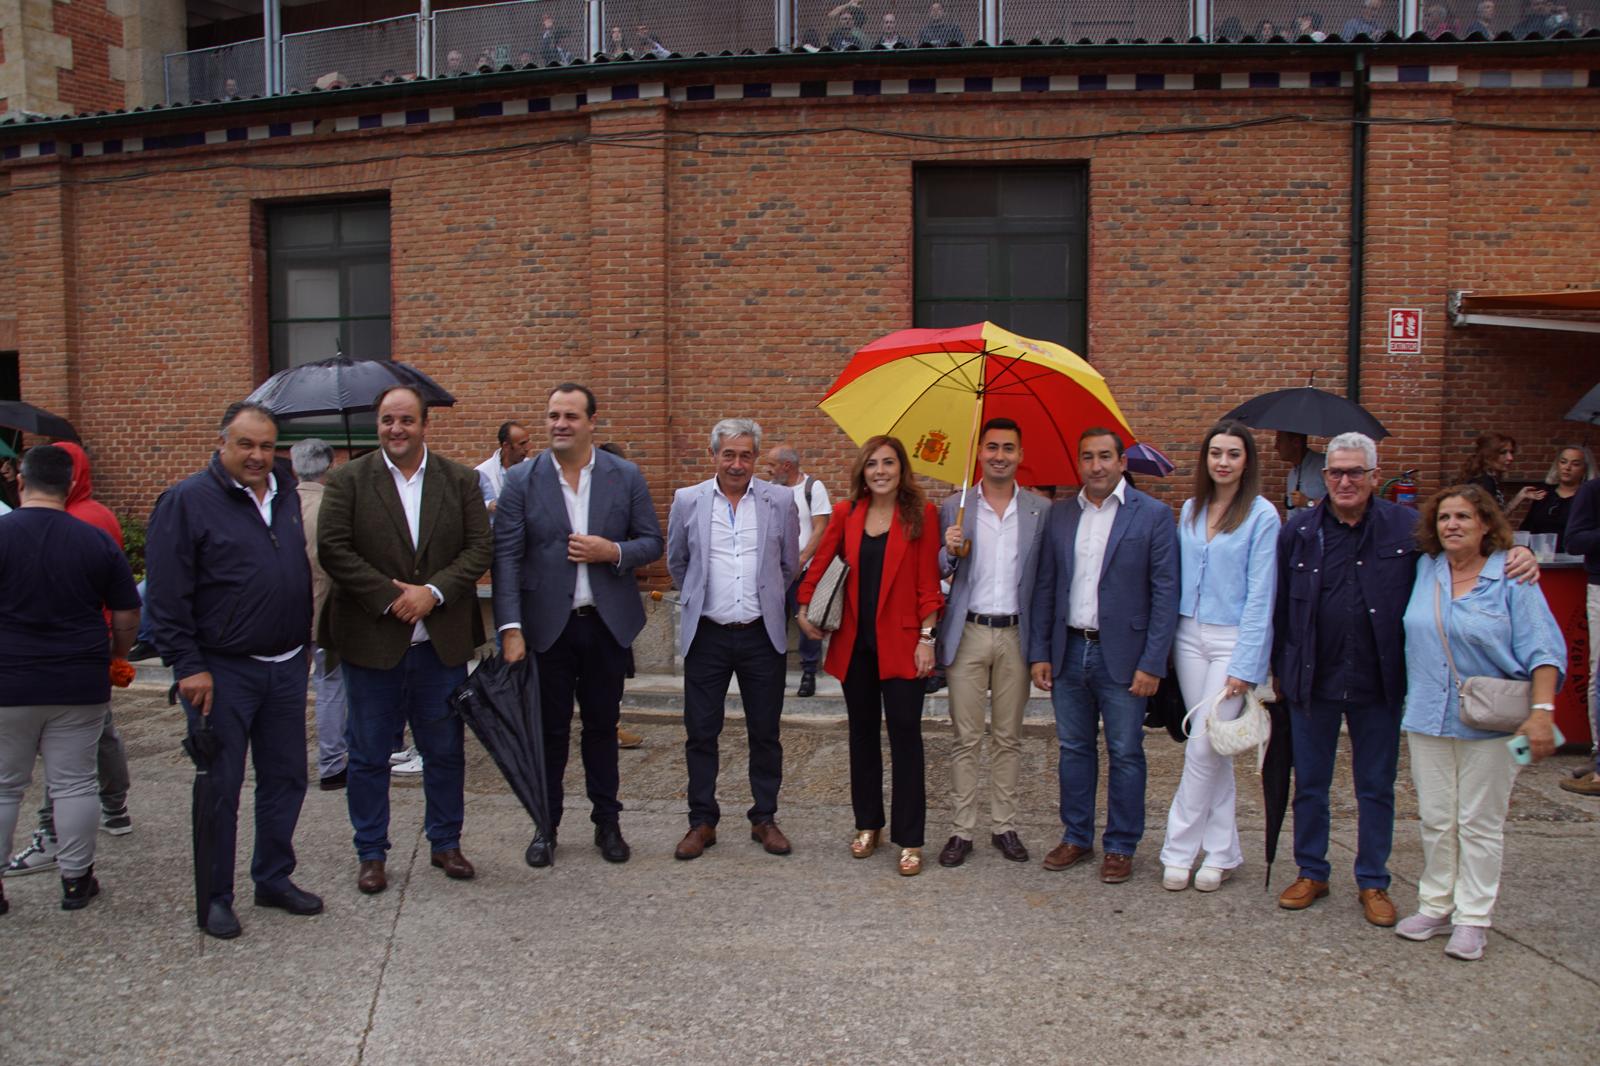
(1497, 628)
(1228, 545)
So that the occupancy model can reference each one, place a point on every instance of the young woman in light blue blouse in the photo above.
(1497, 628)
(1228, 544)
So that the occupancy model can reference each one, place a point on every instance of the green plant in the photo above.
(133, 545)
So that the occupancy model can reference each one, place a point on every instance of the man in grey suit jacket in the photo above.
(984, 634)
(570, 529)
(1105, 608)
(733, 543)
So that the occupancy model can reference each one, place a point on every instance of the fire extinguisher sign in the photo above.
(1405, 331)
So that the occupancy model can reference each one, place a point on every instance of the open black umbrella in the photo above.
(1586, 409)
(14, 414)
(342, 386)
(1307, 410)
(1275, 771)
(499, 702)
(202, 746)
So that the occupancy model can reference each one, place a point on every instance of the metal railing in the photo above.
(386, 50)
(221, 73)
(467, 39)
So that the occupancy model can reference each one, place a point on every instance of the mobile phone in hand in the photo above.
(1519, 745)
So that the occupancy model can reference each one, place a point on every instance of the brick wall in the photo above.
(94, 31)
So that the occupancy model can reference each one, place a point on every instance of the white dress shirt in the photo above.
(264, 509)
(731, 574)
(410, 490)
(577, 501)
(1088, 555)
(994, 558)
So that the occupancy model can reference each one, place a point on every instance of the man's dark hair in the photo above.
(573, 386)
(505, 430)
(241, 407)
(1001, 422)
(1100, 431)
(47, 469)
(422, 401)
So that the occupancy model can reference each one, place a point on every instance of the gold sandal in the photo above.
(864, 843)
(910, 862)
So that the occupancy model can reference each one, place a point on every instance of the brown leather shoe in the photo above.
(627, 738)
(1303, 893)
(454, 864)
(1375, 903)
(769, 836)
(1010, 845)
(1064, 855)
(372, 880)
(1116, 868)
(695, 842)
(955, 852)
(1583, 784)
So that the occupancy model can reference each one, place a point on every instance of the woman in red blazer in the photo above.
(888, 533)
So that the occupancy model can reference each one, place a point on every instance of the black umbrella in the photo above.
(14, 414)
(1165, 710)
(1275, 770)
(1307, 410)
(500, 703)
(342, 386)
(1586, 409)
(202, 746)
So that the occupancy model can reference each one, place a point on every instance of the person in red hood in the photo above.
(111, 756)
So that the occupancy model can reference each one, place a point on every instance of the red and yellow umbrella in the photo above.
(933, 388)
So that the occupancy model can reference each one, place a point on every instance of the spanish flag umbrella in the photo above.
(934, 389)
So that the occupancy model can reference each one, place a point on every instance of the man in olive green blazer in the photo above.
(404, 537)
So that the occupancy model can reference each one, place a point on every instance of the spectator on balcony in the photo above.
(646, 44)
(389, 76)
(485, 61)
(1371, 21)
(1483, 22)
(230, 88)
(453, 63)
(890, 37)
(848, 33)
(552, 47)
(938, 29)
(618, 44)
(1309, 24)
(1229, 29)
(1266, 30)
(1438, 20)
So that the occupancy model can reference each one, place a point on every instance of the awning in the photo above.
(1467, 308)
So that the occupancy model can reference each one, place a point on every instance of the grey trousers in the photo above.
(333, 751)
(111, 766)
(65, 735)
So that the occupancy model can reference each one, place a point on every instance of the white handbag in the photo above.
(1252, 729)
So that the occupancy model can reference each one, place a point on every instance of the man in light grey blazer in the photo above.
(983, 637)
(733, 544)
(570, 528)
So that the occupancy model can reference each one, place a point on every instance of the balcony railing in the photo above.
(546, 32)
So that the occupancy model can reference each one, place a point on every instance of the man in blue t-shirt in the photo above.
(55, 661)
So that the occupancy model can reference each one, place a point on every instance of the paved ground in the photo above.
(741, 957)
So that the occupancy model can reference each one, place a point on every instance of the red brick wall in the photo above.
(89, 86)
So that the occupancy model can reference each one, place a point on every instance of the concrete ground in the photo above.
(742, 957)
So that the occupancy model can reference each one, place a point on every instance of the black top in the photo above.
(1490, 484)
(1346, 647)
(1549, 515)
(869, 574)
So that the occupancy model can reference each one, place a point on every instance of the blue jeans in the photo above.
(381, 703)
(331, 713)
(1085, 695)
(1374, 760)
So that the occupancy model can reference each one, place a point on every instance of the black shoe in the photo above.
(221, 922)
(955, 851)
(334, 782)
(4, 906)
(140, 651)
(541, 851)
(808, 684)
(289, 898)
(76, 892)
(608, 838)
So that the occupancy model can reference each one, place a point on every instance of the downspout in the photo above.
(1358, 226)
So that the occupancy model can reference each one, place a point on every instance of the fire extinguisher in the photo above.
(1402, 489)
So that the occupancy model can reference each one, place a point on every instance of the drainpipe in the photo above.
(424, 67)
(1358, 227)
(271, 40)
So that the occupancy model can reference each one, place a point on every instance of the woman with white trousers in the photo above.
(1228, 543)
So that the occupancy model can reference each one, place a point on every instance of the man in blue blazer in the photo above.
(570, 529)
(1104, 612)
(733, 544)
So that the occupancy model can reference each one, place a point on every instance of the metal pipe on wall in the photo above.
(1358, 226)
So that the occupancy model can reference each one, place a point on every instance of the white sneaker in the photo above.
(403, 755)
(1210, 878)
(36, 858)
(412, 765)
(1175, 878)
(1467, 943)
(1421, 927)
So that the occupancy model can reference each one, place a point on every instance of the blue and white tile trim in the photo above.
(802, 90)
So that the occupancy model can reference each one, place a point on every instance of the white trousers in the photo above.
(1202, 818)
(1593, 603)
(1463, 793)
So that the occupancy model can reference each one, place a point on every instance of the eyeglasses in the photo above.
(1354, 474)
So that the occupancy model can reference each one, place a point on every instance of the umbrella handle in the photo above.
(961, 517)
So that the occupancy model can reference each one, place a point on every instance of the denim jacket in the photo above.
(1499, 629)
(1230, 581)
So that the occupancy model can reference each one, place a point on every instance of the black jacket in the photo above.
(219, 580)
(1583, 528)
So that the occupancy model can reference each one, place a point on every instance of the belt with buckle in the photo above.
(1091, 635)
(735, 625)
(993, 621)
(587, 609)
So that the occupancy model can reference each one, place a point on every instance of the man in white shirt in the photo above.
(984, 634)
(732, 548)
(812, 510)
(515, 444)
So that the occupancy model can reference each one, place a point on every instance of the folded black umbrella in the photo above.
(1165, 710)
(1307, 410)
(14, 414)
(202, 747)
(499, 702)
(1275, 772)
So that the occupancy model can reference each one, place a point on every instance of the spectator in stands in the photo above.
(646, 44)
(1309, 24)
(485, 60)
(230, 88)
(847, 34)
(552, 46)
(618, 44)
(890, 37)
(1371, 21)
(1484, 21)
(453, 61)
(1265, 30)
(389, 77)
(938, 29)
(1535, 18)
(1438, 20)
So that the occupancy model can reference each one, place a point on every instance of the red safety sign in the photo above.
(1405, 331)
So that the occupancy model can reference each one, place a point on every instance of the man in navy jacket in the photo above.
(229, 599)
(1583, 538)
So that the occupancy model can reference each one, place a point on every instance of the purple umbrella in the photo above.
(1144, 459)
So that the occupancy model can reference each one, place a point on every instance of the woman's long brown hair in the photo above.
(909, 498)
(1205, 489)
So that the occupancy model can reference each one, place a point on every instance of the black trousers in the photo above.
(585, 663)
(898, 702)
(718, 654)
